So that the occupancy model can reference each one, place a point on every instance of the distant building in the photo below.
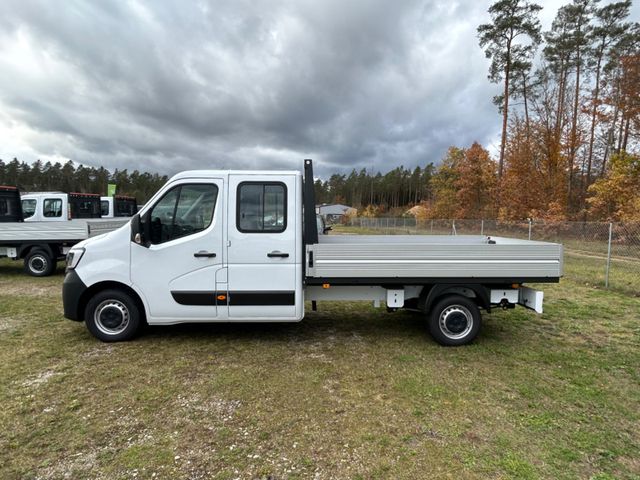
(333, 213)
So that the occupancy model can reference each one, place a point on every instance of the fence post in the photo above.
(529, 229)
(481, 227)
(606, 277)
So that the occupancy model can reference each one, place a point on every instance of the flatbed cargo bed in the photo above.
(71, 230)
(401, 258)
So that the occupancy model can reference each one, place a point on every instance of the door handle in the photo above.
(277, 254)
(203, 254)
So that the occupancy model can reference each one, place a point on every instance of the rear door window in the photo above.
(52, 208)
(262, 207)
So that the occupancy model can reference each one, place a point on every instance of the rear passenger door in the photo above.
(264, 266)
(55, 208)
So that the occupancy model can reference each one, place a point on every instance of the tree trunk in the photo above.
(612, 128)
(526, 107)
(594, 111)
(620, 131)
(574, 128)
(561, 93)
(626, 134)
(505, 112)
(608, 145)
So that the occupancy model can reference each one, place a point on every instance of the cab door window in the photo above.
(183, 210)
(28, 208)
(52, 208)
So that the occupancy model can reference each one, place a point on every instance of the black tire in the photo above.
(38, 263)
(112, 316)
(454, 320)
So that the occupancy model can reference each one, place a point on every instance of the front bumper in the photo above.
(72, 290)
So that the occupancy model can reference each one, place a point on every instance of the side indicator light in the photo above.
(326, 285)
(221, 297)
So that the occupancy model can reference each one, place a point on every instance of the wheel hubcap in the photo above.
(456, 321)
(111, 317)
(38, 264)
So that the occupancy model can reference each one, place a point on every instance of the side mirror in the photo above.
(139, 230)
(327, 229)
(136, 228)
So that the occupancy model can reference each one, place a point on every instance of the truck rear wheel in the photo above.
(38, 263)
(112, 316)
(454, 320)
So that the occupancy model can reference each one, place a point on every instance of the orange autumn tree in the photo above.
(476, 184)
(465, 184)
(616, 196)
(535, 181)
(444, 185)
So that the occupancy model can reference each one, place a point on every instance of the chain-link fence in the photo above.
(596, 253)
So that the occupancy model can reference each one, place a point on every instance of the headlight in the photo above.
(73, 257)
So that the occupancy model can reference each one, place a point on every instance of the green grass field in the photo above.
(351, 392)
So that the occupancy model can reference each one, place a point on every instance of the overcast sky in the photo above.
(170, 85)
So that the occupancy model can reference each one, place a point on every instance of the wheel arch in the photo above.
(431, 294)
(109, 285)
(24, 250)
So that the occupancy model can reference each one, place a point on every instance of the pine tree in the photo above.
(512, 21)
(608, 31)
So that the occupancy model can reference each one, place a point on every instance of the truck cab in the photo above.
(10, 207)
(59, 206)
(209, 246)
(118, 206)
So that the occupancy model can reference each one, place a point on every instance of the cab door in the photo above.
(176, 273)
(264, 249)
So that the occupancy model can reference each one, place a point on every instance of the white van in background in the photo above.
(118, 206)
(59, 206)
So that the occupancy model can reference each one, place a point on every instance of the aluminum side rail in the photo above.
(415, 257)
(69, 231)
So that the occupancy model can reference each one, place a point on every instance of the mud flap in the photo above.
(530, 298)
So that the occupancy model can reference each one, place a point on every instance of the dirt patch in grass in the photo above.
(8, 323)
(32, 290)
(40, 379)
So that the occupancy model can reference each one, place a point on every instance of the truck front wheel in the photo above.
(112, 316)
(454, 320)
(38, 263)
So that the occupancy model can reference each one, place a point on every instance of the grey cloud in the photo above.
(171, 85)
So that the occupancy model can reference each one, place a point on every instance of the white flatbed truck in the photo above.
(40, 228)
(243, 246)
(41, 244)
